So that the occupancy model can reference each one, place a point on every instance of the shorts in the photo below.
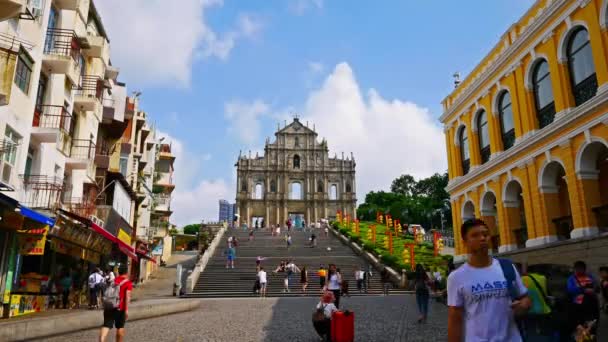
(230, 258)
(114, 318)
(263, 286)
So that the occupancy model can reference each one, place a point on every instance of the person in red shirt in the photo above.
(117, 317)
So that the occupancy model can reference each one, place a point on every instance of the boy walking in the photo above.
(482, 303)
(116, 316)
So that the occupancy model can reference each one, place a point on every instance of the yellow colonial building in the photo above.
(527, 130)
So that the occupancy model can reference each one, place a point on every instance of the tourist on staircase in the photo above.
(334, 283)
(288, 240)
(313, 240)
(359, 278)
(422, 283)
(262, 281)
(290, 269)
(322, 273)
(385, 277)
(304, 279)
(230, 256)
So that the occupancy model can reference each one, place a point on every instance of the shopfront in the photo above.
(10, 222)
(147, 263)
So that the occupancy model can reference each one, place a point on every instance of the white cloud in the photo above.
(388, 137)
(156, 42)
(244, 120)
(300, 7)
(194, 198)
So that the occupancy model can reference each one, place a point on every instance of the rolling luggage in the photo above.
(343, 326)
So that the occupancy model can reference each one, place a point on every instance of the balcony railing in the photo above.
(62, 43)
(42, 191)
(585, 90)
(466, 166)
(89, 86)
(12, 43)
(80, 206)
(546, 115)
(601, 214)
(82, 149)
(49, 116)
(508, 139)
(485, 154)
(563, 227)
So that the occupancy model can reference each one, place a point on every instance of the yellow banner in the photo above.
(31, 242)
(124, 237)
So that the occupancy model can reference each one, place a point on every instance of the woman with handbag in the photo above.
(321, 316)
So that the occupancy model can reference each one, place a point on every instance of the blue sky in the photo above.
(217, 76)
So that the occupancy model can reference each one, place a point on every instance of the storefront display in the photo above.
(27, 304)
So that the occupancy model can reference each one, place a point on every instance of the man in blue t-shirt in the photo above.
(479, 297)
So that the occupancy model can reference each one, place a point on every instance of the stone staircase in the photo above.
(218, 281)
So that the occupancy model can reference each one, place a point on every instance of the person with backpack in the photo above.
(321, 317)
(538, 325)
(116, 300)
(95, 282)
(484, 294)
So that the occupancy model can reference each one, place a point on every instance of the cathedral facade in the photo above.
(294, 179)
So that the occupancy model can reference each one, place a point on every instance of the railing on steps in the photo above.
(204, 259)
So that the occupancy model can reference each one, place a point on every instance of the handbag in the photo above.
(319, 314)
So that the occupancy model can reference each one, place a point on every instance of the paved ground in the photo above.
(383, 319)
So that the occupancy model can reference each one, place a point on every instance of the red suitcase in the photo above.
(343, 326)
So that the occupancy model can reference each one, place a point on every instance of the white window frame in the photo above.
(9, 155)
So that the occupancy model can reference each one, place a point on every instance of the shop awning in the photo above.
(144, 256)
(36, 216)
(129, 252)
(106, 234)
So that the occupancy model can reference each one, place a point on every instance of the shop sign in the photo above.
(31, 242)
(26, 304)
(158, 250)
(66, 248)
(91, 256)
(124, 236)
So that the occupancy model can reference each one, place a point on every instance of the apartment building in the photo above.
(527, 137)
(77, 157)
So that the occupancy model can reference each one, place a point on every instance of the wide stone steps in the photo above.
(218, 281)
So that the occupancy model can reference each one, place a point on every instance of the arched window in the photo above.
(297, 142)
(259, 191)
(543, 94)
(296, 161)
(295, 191)
(244, 185)
(484, 136)
(273, 186)
(320, 186)
(582, 69)
(464, 150)
(333, 192)
(348, 187)
(505, 112)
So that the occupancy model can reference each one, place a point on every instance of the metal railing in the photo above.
(485, 154)
(42, 191)
(61, 42)
(546, 115)
(51, 116)
(82, 149)
(79, 206)
(585, 90)
(89, 86)
(508, 139)
(466, 166)
(12, 43)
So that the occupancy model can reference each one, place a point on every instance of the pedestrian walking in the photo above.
(251, 235)
(290, 269)
(230, 256)
(484, 294)
(263, 281)
(584, 306)
(288, 225)
(322, 273)
(385, 278)
(109, 276)
(304, 279)
(95, 281)
(539, 324)
(367, 275)
(334, 283)
(359, 278)
(313, 240)
(326, 231)
(66, 282)
(421, 284)
(117, 298)
(288, 240)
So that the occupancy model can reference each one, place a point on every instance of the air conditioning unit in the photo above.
(97, 220)
(34, 9)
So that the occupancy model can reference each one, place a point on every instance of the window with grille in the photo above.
(23, 72)
(9, 153)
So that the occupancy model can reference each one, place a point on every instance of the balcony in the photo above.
(98, 47)
(111, 72)
(82, 155)
(49, 122)
(88, 93)
(80, 206)
(585, 90)
(62, 53)
(165, 152)
(508, 139)
(10, 8)
(42, 192)
(162, 203)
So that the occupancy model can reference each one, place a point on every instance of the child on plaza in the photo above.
(321, 317)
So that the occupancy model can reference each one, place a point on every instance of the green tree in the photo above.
(192, 229)
(404, 185)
